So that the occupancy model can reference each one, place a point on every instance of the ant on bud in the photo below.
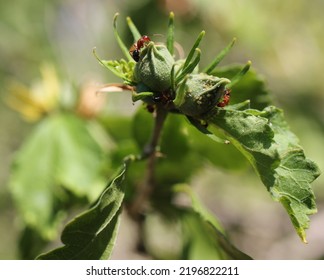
(226, 99)
(136, 47)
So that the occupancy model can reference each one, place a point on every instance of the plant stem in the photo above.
(151, 153)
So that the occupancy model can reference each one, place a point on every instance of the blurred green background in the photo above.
(283, 39)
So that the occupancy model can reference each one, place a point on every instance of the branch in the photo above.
(151, 153)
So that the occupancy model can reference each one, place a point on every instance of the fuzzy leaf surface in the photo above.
(273, 150)
(294, 174)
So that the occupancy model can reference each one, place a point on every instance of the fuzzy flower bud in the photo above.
(199, 93)
(154, 67)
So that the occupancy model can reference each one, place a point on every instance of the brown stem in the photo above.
(150, 152)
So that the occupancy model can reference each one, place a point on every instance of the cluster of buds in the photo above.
(156, 78)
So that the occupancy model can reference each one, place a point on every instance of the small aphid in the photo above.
(226, 99)
(136, 47)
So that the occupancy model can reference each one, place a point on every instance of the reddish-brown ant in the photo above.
(226, 98)
(136, 47)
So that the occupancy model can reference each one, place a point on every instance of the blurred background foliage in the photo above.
(47, 45)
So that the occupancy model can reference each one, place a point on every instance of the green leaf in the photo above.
(59, 152)
(32, 181)
(273, 150)
(92, 234)
(221, 242)
(294, 174)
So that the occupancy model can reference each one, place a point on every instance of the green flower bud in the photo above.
(154, 67)
(199, 93)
